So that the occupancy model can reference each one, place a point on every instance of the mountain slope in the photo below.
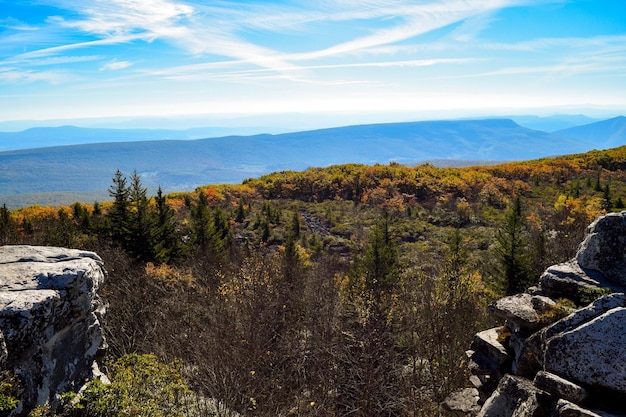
(611, 132)
(38, 137)
(186, 164)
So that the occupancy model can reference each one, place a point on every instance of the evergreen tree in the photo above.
(240, 216)
(210, 228)
(201, 224)
(381, 264)
(295, 225)
(81, 217)
(140, 237)
(598, 185)
(7, 226)
(118, 215)
(64, 232)
(513, 264)
(167, 239)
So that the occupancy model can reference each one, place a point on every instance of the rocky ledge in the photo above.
(535, 365)
(50, 315)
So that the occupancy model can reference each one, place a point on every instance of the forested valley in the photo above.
(350, 290)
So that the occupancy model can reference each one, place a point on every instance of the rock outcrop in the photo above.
(539, 365)
(50, 320)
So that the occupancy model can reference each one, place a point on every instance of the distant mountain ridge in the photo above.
(613, 131)
(185, 164)
(38, 137)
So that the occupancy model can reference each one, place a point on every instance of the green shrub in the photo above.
(140, 386)
(8, 384)
(562, 308)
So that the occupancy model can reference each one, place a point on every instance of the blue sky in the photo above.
(72, 59)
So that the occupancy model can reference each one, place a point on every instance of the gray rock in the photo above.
(521, 310)
(593, 353)
(537, 341)
(524, 361)
(560, 387)
(485, 384)
(463, 402)
(480, 364)
(569, 280)
(604, 247)
(50, 316)
(487, 344)
(568, 409)
(516, 396)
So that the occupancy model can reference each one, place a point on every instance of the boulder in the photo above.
(576, 319)
(487, 344)
(570, 280)
(576, 366)
(50, 316)
(560, 387)
(517, 396)
(604, 247)
(565, 408)
(521, 311)
(463, 402)
(593, 353)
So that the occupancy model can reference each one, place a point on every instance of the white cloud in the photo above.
(124, 17)
(12, 76)
(115, 65)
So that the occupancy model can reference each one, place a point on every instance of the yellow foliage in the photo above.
(168, 276)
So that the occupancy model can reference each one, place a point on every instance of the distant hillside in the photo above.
(186, 164)
(553, 123)
(39, 137)
(611, 132)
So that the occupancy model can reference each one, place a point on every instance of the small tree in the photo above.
(167, 239)
(7, 226)
(368, 365)
(511, 254)
(139, 240)
(119, 213)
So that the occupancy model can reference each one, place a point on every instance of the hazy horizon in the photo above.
(291, 65)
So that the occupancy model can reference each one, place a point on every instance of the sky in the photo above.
(81, 59)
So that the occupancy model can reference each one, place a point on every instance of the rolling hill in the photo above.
(186, 164)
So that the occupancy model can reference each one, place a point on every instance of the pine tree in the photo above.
(210, 228)
(119, 214)
(64, 232)
(201, 224)
(140, 237)
(7, 226)
(81, 217)
(240, 216)
(511, 251)
(167, 239)
(381, 265)
(295, 225)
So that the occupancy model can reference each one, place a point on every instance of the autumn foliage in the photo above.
(346, 290)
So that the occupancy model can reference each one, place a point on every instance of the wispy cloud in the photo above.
(398, 21)
(124, 17)
(12, 75)
(201, 70)
(115, 65)
(220, 29)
